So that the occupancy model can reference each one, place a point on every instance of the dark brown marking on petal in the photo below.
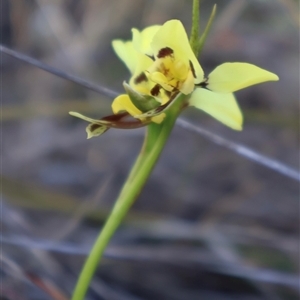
(168, 93)
(151, 56)
(173, 96)
(162, 107)
(140, 78)
(165, 52)
(192, 69)
(130, 124)
(116, 117)
(204, 83)
(155, 90)
(120, 120)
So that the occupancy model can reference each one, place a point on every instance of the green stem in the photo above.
(154, 143)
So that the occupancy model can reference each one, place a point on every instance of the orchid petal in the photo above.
(141, 40)
(222, 107)
(187, 86)
(123, 103)
(141, 83)
(230, 77)
(126, 53)
(172, 35)
(161, 79)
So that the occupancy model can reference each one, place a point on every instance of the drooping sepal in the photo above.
(95, 129)
(221, 106)
(120, 120)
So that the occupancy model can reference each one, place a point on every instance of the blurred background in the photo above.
(209, 224)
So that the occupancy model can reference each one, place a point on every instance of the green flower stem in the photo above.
(154, 143)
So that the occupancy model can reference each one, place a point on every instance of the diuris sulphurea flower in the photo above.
(162, 66)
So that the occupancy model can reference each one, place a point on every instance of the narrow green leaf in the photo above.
(195, 27)
(203, 37)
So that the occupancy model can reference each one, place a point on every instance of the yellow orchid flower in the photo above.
(163, 64)
(156, 69)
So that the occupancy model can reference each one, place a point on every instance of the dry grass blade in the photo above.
(168, 255)
(243, 151)
(9, 267)
(89, 85)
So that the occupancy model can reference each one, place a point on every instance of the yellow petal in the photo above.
(188, 84)
(126, 53)
(143, 62)
(230, 77)
(172, 35)
(123, 103)
(161, 79)
(153, 115)
(142, 39)
(223, 107)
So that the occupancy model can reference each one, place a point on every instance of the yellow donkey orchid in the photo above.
(162, 62)
(163, 65)
(158, 70)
